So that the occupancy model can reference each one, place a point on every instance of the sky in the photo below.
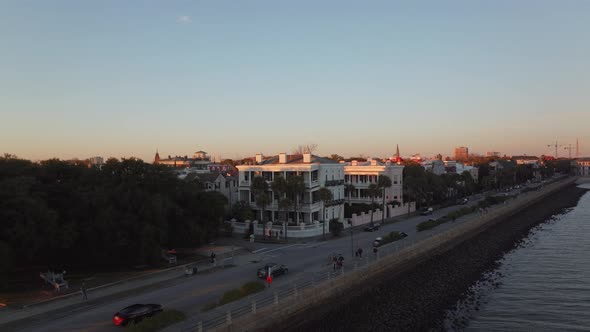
(235, 78)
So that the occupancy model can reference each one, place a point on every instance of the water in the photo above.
(544, 285)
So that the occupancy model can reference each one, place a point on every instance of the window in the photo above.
(315, 197)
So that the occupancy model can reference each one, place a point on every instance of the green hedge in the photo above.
(487, 202)
(158, 322)
(393, 236)
(461, 212)
(236, 294)
(431, 223)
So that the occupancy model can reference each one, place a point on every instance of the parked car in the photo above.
(372, 228)
(377, 242)
(463, 201)
(426, 211)
(274, 268)
(135, 313)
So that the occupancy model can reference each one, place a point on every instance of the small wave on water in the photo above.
(543, 284)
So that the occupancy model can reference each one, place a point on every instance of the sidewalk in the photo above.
(227, 256)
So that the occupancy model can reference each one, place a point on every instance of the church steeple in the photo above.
(396, 158)
(157, 157)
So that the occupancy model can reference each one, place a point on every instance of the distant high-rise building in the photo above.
(461, 153)
(493, 154)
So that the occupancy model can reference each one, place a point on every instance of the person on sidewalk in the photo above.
(360, 251)
(83, 289)
(213, 258)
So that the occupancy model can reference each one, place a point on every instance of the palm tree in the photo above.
(373, 191)
(383, 182)
(279, 187)
(348, 189)
(285, 204)
(325, 195)
(259, 188)
(295, 187)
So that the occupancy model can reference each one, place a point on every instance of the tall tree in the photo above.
(348, 189)
(259, 188)
(384, 182)
(280, 187)
(325, 195)
(373, 191)
(295, 187)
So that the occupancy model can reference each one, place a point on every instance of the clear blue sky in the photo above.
(124, 78)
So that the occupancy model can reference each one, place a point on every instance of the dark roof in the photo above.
(524, 158)
(202, 177)
(208, 177)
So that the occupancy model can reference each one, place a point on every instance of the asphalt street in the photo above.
(189, 294)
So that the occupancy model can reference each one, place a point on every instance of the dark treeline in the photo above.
(427, 188)
(59, 213)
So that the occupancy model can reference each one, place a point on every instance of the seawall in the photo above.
(417, 295)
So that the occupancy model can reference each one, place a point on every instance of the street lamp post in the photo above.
(351, 239)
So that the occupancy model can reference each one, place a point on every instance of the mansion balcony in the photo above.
(330, 183)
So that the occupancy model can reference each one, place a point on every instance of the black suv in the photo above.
(372, 228)
(274, 268)
(135, 313)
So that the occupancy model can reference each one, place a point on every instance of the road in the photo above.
(191, 293)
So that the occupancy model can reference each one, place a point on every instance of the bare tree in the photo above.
(307, 148)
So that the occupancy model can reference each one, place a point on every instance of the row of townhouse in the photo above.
(439, 167)
(583, 166)
(319, 172)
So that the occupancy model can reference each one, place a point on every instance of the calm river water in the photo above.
(544, 285)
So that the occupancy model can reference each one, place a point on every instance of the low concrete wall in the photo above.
(365, 218)
(391, 264)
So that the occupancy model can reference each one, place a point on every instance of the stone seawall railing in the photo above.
(403, 259)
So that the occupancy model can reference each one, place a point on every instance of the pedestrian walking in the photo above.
(213, 258)
(83, 289)
(361, 252)
(375, 250)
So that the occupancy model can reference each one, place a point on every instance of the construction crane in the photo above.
(555, 146)
(569, 148)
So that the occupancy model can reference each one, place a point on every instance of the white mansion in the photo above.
(318, 172)
(361, 174)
